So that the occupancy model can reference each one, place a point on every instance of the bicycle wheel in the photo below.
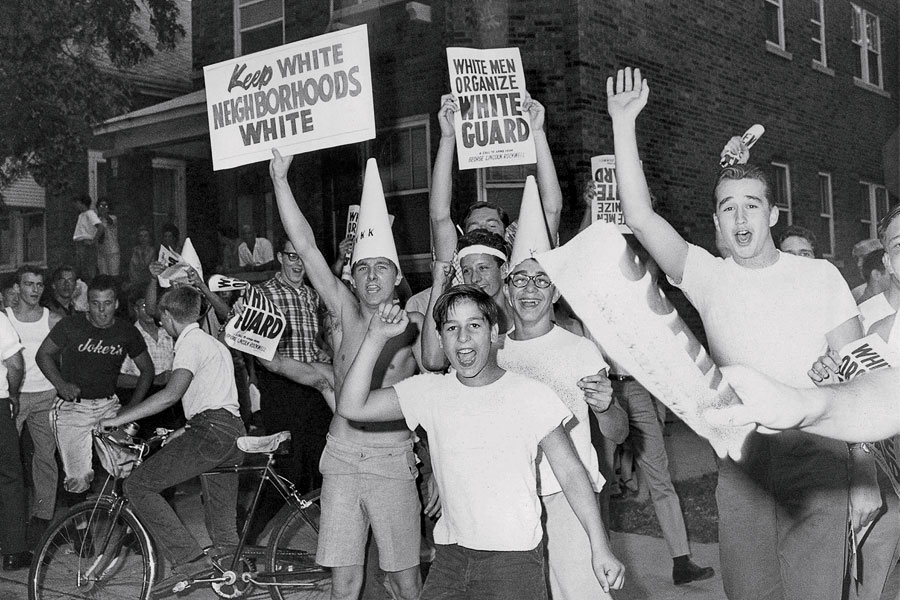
(98, 550)
(291, 556)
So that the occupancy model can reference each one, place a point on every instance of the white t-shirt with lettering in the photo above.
(484, 442)
(559, 359)
(773, 319)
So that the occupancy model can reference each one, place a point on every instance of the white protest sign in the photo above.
(605, 205)
(258, 328)
(223, 283)
(352, 223)
(492, 130)
(299, 97)
(169, 259)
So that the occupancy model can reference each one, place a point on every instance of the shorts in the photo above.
(369, 486)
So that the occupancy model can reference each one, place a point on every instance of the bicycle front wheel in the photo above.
(291, 556)
(98, 550)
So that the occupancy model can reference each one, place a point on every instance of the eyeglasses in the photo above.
(520, 280)
(291, 256)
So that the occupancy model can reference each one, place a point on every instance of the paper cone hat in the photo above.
(189, 255)
(373, 230)
(531, 236)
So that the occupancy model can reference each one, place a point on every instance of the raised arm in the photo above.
(626, 97)
(433, 357)
(548, 183)
(357, 402)
(443, 231)
(333, 292)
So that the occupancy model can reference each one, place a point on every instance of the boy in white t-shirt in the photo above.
(203, 379)
(485, 426)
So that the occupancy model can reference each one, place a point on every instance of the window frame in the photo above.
(360, 6)
(238, 30)
(872, 221)
(787, 184)
(859, 18)
(16, 215)
(828, 203)
(820, 41)
(780, 45)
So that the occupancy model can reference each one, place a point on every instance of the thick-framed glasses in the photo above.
(291, 256)
(520, 280)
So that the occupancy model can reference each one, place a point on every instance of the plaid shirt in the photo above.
(161, 352)
(301, 308)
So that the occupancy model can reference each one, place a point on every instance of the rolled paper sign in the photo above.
(223, 283)
(618, 299)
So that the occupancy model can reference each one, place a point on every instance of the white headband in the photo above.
(481, 249)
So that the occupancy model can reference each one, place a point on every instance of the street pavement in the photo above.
(647, 560)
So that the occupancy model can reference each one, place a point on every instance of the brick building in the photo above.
(821, 75)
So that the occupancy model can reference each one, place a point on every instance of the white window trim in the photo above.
(863, 44)
(237, 23)
(787, 180)
(95, 158)
(17, 234)
(180, 188)
(872, 221)
(822, 61)
(829, 215)
(780, 44)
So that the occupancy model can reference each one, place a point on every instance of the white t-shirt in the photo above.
(873, 310)
(210, 362)
(484, 443)
(86, 226)
(773, 319)
(9, 346)
(262, 253)
(559, 359)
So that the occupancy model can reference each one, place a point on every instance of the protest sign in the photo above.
(169, 259)
(257, 329)
(223, 283)
(299, 97)
(605, 206)
(492, 130)
(352, 222)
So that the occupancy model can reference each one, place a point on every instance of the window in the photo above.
(503, 186)
(867, 37)
(826, 216)
(23, 225)
(781, 188)
(169, 194)
(344, 8)
(775, 23)
(873, 205)
(258, 24)
(818, 33)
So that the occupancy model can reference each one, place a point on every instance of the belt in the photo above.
(615, 377)
(80, 400)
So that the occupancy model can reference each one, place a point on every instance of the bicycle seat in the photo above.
(266, 444)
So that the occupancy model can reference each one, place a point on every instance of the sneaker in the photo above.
(185, 572)
(688, 571)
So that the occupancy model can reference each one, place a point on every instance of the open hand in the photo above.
(627, 95)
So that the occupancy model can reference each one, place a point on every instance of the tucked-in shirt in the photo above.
(86, 225)
(300, 307)
(484, 442)
(210, 363)
(90, 357)
(559, 358)
(9, 347)
(160, 351)
(262, 253)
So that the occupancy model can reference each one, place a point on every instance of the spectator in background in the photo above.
(228, 248)
(9, 293)
(59, 297)
(88, 230)
(254, 252)
(798, 241)
(108, 257)
(141, 256)
(171, 237)
(873, 304)
(860, 250)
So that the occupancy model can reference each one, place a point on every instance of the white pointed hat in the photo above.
(373, 230)
(189, 256)
(531, 235)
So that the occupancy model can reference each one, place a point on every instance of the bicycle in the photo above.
(100, 549)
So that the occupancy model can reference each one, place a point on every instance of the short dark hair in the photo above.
(799, 231)
(504, 218)
(83, 199)
(173, 229)
(747, 171)
(102, 283)
(873, 262)
(280, 241)
(483, 237)
(34, 270)
(8, 280)
(461, 293)
(58, 271)
(885, 223)
(183, 303)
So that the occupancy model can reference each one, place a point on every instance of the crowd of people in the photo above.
(454, 427)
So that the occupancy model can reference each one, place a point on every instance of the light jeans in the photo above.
(72, 424)
(34, 408)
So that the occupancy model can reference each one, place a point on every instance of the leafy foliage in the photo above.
(58, 76)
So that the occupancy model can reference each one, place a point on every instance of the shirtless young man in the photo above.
(368, 470)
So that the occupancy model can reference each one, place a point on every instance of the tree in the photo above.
(58, 77)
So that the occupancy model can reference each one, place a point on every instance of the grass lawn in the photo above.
(698, 503)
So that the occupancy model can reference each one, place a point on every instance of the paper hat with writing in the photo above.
(373, 230)
(223, 283)
(177, 272)
(531, 236)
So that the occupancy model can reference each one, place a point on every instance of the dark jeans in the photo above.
(462, 573)
(208, 442)
(12, 485)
